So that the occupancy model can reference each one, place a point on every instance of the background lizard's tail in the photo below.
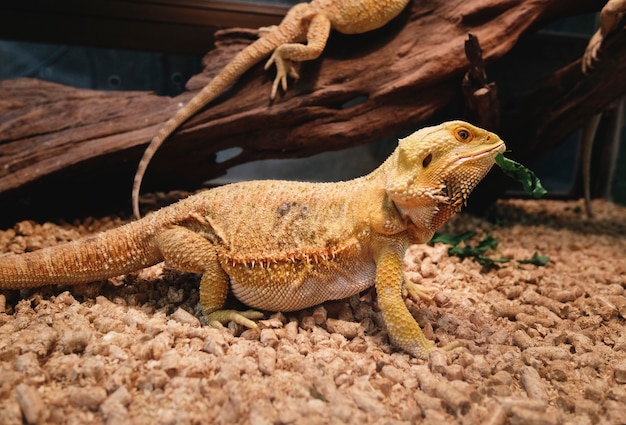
(98, 257)
(243, 61)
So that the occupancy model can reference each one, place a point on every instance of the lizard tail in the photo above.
(243, 61)
(104, 255)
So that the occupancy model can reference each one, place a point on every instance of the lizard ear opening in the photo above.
(427, 160)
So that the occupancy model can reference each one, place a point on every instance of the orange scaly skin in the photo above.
(281, 245)
(305, 22)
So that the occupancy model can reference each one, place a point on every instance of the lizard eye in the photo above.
(427, 160)
(463, 135)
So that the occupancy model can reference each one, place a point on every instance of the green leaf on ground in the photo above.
(477, 252)
(537, 260)
(450, 239)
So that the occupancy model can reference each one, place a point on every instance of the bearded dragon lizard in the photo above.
(610, 16)
(310, 22)
(284, 246)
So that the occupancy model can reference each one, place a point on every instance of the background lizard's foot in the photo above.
(284, 69)
(591, 54)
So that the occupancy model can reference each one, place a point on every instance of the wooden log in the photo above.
(55, 140)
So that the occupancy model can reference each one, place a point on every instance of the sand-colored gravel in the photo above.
(540, 345)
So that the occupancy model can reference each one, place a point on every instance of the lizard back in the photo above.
(286, 220)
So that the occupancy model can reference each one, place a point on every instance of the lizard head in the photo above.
(433, 171)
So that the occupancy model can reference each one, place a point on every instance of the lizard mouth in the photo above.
(458, 185)
(500, 147)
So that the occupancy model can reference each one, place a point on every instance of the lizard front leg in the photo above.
(187, 251)
(286, 54)
(403, 330)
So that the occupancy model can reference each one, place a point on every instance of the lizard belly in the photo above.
(288, 286)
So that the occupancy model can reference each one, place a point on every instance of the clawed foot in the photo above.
(284, 69)
(452, 346)
(428, 346)
(419, 292)
(591, 54)
(219, 318)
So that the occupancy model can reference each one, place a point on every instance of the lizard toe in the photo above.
(284, 69)
(420, 292)
(452, 346)
(219, 318)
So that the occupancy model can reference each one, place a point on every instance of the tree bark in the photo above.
(57, 140)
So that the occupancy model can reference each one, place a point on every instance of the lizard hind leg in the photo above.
(286, 54)
(188, 251)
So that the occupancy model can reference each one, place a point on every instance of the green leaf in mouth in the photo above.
(528, 179)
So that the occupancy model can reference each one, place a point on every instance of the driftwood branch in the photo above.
(56, 140)
(481, 96)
